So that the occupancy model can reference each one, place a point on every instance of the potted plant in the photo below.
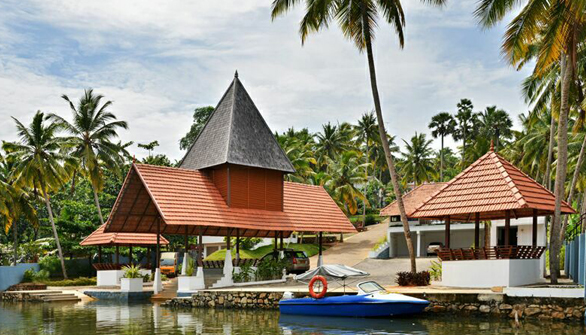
(132, 279)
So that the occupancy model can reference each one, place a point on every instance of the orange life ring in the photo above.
(324, 283)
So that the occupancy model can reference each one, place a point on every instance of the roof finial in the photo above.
(236, 74)
(491, 145)
(133, 159)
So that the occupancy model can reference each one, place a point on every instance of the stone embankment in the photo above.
(487, 305)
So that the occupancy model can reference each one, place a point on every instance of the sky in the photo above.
(159, 60)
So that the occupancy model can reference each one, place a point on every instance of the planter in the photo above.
(190, 283)
(131, 285)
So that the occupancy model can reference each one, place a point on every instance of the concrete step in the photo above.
(41, 293)
(68, 298)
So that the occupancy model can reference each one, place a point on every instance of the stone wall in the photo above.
(230, 299)
(15, 296)
(482, 305)
(500, 305)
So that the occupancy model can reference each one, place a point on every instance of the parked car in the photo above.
(297, 261)
(433, 248)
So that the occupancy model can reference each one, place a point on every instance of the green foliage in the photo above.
(51, 264)
(200, 117)
(269, 269)
(31, 276)
(435, 271)
(132, 271)
(190, 266)
(81, 281)
(407, 278)
(370, 220)
(220, 255)
(246, 243)
(246, 274)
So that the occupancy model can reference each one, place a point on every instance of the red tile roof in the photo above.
(489, 186)
(185, 199)
(99, 237)
(412, 199)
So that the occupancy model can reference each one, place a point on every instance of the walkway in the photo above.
(354, 249)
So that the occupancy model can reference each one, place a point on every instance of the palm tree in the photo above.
(495, 124)
(466, 122)
(330, 143)
(358, 21)
(558, 26)
(345, 172)
(417, 164)
(367, 135)
(38, 157)
(92, 130)
(443, 124)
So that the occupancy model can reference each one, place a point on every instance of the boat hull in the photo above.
(352, 306)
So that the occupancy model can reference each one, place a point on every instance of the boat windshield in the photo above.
(370, 287)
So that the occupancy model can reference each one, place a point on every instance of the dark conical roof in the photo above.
(236, 133)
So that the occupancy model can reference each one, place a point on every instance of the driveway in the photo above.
(384, 271)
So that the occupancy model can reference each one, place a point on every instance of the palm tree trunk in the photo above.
(562, 162)
(15, 235)
(547, 177)
(573, 186)
(52, 220)
(97, 202)
(442, 160)
(385, 144)
(365, 186)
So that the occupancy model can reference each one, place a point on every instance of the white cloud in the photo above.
(158, 60)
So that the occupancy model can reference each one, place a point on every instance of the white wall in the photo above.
(524, 233)
(490, 273)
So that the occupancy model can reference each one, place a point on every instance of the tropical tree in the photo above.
(366, 135)
(557, 26)
(442, 125)
(200, 117)
(345, 173)
(495, 124)
(38, 158)
(358, 21)
(149, 146)
(465, 125)
(331, 142)
(417, 163)
(92, 130)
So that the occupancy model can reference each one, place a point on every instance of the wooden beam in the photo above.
(158, 256)
(281, 239)
(534, 231)
(320, 243)
(507, 227)
(447, 223)
(476, 230)
(117, 255)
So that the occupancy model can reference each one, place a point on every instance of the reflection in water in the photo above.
(109, 318)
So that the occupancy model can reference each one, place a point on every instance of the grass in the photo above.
(358, 218)
(81, 281)
(379, 243)
(220, 255)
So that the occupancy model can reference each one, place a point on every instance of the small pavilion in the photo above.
(490, 189)
(110, 273)
(230, 183)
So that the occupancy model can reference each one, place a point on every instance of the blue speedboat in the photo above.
(372, 299)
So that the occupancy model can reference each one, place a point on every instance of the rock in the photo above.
(438, 309)
(243, 300)
(221, 300)
(505, 307)
(484, 309)
(558, 315)
(471, 308)
(531, 311)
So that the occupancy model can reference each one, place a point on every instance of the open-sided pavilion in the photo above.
(490, 189)
(110, 273)
(230, 183)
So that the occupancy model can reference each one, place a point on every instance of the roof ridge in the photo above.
(230, 124)
(205, 124)
(151, 195)
(499, 162)
(452, 181)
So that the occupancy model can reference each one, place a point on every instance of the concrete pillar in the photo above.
(581, 259)
(534, 231)
(418, 243)
(447, 232)
(507, 227)
(185, 254)
(477, 230)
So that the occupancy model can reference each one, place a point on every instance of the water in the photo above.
(107, 318)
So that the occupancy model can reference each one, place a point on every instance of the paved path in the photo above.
(354, 249)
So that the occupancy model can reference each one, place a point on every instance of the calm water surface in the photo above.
(102, 318)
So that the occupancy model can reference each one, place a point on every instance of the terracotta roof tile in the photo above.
(412, 199)
(189, 198)
(99, 237)
(489, 186)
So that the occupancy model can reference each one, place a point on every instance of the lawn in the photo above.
(220, 255)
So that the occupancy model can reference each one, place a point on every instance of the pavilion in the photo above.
(110, 274)
(490, 189)
(230, 183)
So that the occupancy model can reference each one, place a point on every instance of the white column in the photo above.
(418, 243)
(185, 262)
(158, 284)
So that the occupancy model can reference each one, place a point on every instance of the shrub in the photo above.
(190, 266)
(245, 275)
(435, 270)
(132, 271)
(407, 278)
(269, 269)
(81, 281)
(51, 264)
(28, 276)
(369, 220)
